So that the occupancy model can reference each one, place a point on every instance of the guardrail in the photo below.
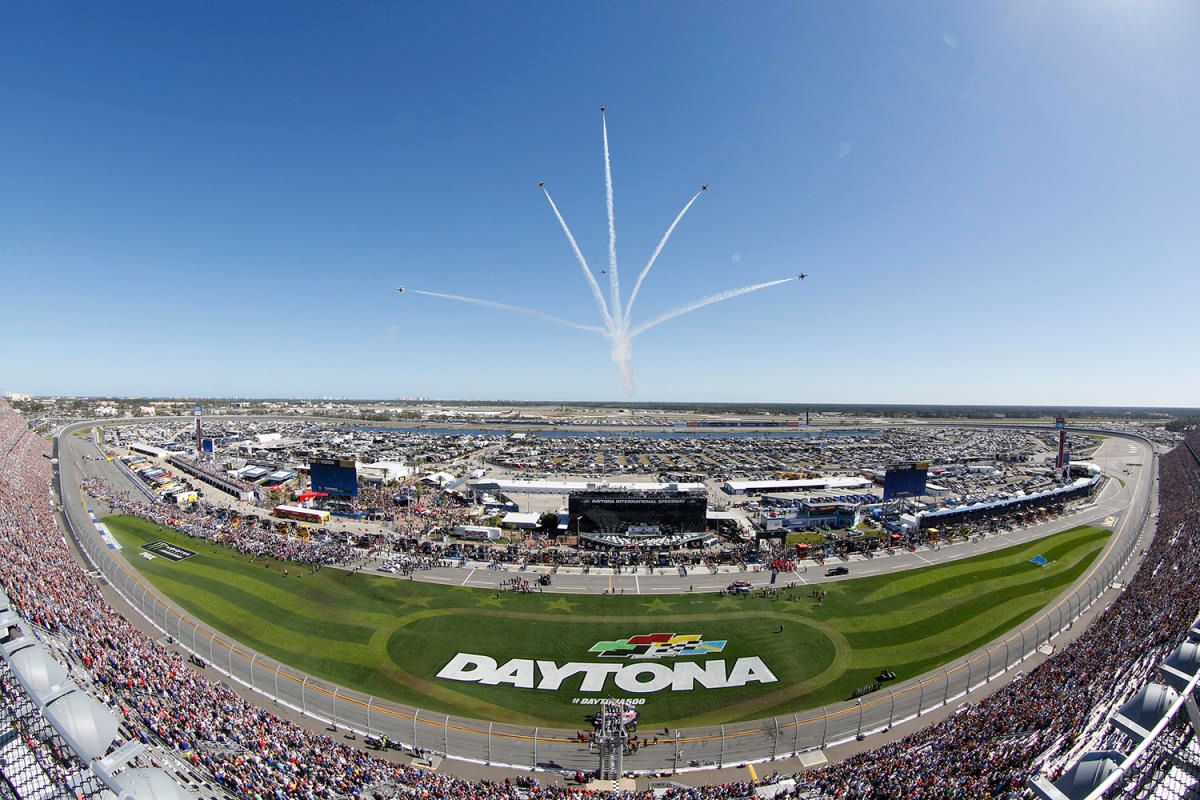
(545, 748)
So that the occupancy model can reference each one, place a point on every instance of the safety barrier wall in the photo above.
(545, 748)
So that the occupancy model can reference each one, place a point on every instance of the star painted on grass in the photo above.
(490, 600)
(657, 604)
(727, 602)
(561, 604)
(421, 600)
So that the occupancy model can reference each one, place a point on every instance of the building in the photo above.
(384, 471)
(833, 483)
(509, 487)
(521, 520)
(661, 519)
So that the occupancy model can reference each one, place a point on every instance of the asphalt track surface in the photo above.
(1124, 508)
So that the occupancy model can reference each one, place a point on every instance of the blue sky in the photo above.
(996, 202)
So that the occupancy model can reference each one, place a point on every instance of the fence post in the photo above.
(825, 727)
(303, 698)
(277, 666)
(988, 676)
(946, 675)
(775, 743)
(231, 660)
(446, 737)
(968, 675)
(489, 755)
(213, 638)
(1006, 654)
(796, 741)
(371, 700)
(892, 707)
(860, 719)
(721, 762)
(336, 689)
(252, 660)
(535, 735)
(675, 768)
(921, 699)
(416, 714)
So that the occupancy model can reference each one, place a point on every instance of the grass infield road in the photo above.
(390, 637)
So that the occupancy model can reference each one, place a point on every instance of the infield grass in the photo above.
(389, 637)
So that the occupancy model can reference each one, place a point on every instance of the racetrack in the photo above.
(390, 638)
(696, 747)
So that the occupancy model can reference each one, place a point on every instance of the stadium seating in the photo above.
(990, 750)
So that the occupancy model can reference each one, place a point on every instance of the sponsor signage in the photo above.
(167, 550)
(643, 676)
(657, 645)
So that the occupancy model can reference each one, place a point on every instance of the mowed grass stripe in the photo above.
(291, 648)
(1037, 582)
(966, 582)
(264, 583)
(389, 637)
(261, 590)
(246, 604)
(959, 573)
(917, 666)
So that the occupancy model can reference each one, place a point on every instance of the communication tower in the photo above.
(1061, 463)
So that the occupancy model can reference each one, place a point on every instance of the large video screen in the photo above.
(905, 480)
(337, 477)
(615, 512)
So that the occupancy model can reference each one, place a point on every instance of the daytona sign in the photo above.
(639, 678)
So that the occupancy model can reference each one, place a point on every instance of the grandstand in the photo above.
(1044, 722)
(663, 519)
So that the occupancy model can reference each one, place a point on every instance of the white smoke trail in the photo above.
(614, 280)
(653, 258)
(616, 320)
(707, 301)
(622, 356)
(587, 271)
(529, 312)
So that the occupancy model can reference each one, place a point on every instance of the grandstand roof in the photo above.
(807, 484)
(1003, 501)
(566, 487)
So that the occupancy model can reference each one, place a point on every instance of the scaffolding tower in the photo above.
(612, 737)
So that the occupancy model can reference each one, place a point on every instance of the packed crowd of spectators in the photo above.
(243, 534)
(987, 752)
(992, 749)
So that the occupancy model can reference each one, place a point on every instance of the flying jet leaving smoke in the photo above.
(617, 321)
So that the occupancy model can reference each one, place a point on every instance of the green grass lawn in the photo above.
(390, 637)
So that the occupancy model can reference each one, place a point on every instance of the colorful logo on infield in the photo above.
(658, 645)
